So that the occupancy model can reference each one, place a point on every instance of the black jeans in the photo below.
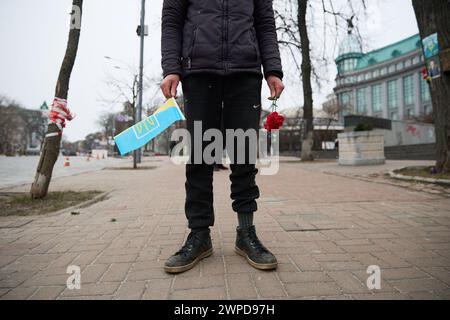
(221, 102)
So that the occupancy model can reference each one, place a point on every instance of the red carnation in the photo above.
(424, 73)
(274, 121)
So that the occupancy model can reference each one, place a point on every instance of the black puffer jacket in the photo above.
(219, 36)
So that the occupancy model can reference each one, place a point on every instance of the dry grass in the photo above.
(21, 204)
(424, 172)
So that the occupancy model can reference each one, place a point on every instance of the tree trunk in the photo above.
(306, 154)
(434, 16)
(51, 144)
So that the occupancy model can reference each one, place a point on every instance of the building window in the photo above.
(361, 100)
(424, 90)
(376, 73)
(383, 71)
(368, 76)
(408, 90)
(346, 98)
(391, 68)
(345, 102)
(376, 98)
(341, 67)
(427, 110)
(416, 60)
(399, 66)
(392, 94)
(360, 78)
(347, 65)
(407, 63)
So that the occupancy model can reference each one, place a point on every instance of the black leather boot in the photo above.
(249, 246)
(198, 246)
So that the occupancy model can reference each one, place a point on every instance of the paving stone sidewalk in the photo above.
(326, 230)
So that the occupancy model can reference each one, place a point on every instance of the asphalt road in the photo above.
(20, 170)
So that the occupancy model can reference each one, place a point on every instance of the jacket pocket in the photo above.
(191, 47)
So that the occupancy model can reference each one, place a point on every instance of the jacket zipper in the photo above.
(255, 44)
(223, 33)
(226, 35)
(194, 35)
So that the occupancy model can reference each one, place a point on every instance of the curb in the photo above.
(102, 196)
(398, 176)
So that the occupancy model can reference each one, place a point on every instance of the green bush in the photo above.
(364, 127)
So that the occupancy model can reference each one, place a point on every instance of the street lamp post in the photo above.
(142, 34)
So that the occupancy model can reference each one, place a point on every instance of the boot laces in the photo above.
(255, 242)
(187, 247)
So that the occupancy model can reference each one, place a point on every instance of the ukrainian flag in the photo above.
(141, 133)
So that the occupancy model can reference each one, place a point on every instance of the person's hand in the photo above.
(169, 85)
(276, 87)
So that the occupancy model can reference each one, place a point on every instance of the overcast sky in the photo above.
(33, 37)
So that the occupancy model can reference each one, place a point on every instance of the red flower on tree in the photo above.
(425, 75)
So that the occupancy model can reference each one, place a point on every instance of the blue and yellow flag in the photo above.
(141, 133)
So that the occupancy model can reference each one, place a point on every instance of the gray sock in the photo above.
(245, 219)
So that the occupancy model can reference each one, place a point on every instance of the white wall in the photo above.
(404, 133)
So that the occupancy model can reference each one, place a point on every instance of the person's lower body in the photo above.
(223, 103)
